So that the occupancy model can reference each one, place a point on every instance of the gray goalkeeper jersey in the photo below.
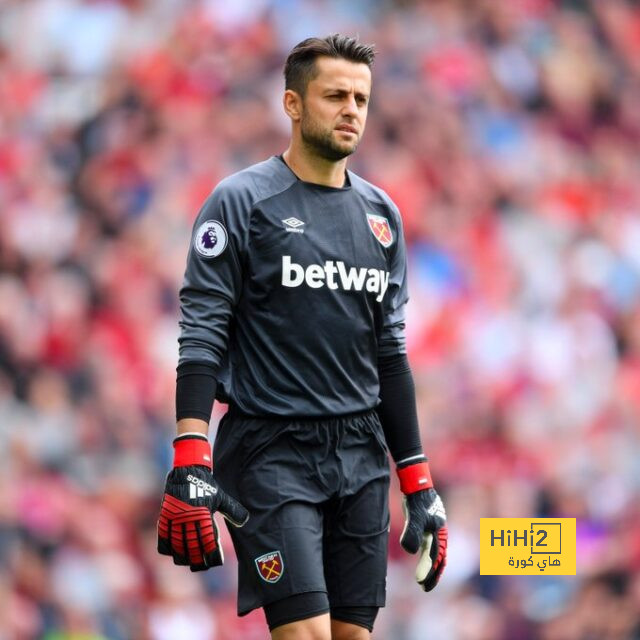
(293, 291)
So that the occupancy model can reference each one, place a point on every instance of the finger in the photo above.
(199, 558)
(210, 543)
(208, 560)
(193, 543)
(425, 563)
(433, 578)
(164, 546)
(232, 510)
(176, 544)
(439, 558)
(411, 536)
(198, 567)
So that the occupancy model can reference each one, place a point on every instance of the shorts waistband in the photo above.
(235, 412)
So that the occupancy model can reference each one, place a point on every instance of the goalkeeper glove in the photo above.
(186, 529)
(425, 527)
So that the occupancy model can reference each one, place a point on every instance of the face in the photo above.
(334, 109)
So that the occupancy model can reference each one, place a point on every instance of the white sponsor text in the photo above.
(335, 275)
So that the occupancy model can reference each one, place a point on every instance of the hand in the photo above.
(425, 527)
(186, 528)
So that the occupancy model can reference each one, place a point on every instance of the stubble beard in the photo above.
(321, 141)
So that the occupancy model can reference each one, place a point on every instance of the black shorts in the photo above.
(317, 492)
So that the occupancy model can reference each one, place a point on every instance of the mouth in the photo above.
(347, 128)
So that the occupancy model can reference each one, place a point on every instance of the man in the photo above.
(293, 313)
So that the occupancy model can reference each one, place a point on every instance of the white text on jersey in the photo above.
(317, 275)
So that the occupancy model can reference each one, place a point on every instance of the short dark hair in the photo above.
(300, 69)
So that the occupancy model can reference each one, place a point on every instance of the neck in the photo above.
(312, 168)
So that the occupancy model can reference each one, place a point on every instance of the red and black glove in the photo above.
(425, 527)
(186, 529)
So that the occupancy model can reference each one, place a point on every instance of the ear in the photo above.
(292, 103)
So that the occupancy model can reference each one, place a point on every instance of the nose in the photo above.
(351, 107)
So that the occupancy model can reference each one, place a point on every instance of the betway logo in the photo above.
(335, 275)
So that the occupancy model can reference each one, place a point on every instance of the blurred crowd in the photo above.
(507, 131)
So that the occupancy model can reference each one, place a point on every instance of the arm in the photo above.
(192, 425)
(186, 528)
(425, 519)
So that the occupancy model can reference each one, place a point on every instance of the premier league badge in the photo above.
(270, 566)
(381, 230)
(210, 239)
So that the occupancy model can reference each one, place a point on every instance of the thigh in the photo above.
(279, 549)
(276, 561)
(299, 613)
(341, 630)
(357, 523)
(315, 628)
(355, 546)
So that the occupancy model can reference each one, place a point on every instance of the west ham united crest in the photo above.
(270, 566)
(380, 228)
(210, 239)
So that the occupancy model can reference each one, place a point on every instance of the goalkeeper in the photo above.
(292, 312)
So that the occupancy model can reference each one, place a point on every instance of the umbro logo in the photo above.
(199, 488)
(293, 225)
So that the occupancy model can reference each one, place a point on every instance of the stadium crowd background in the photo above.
(506, 130)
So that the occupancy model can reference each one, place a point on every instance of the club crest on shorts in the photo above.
(380, 228)
(210, 239)
(270, 566)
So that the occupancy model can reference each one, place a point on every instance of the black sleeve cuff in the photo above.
(195, 390)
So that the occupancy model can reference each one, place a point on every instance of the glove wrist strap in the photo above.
(190, 449)
(415, 477)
